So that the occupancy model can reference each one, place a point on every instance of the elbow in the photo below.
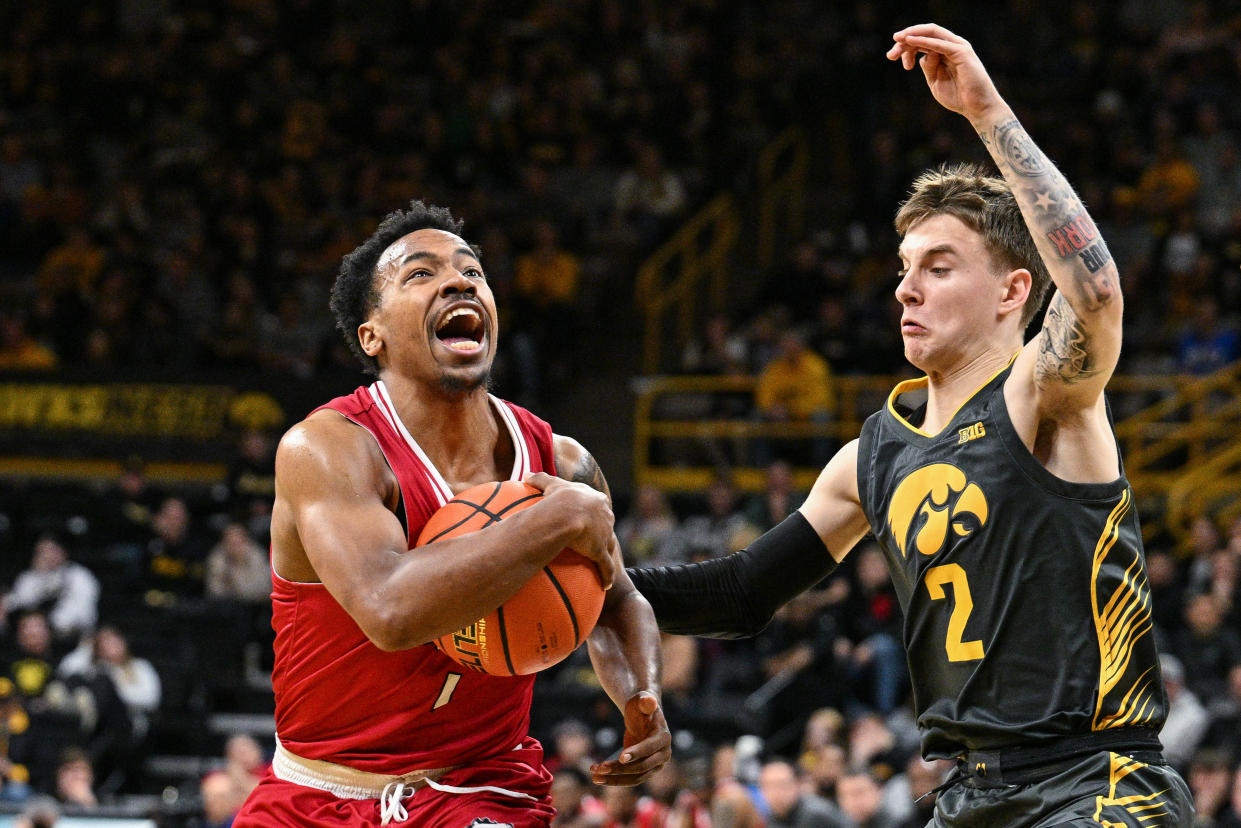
(391, 631)
(386, 644)
(755, 614)
(387, 640)
(759, 624)
(754, 623)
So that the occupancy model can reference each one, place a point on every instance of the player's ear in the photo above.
(1016, 289)
(370, 338)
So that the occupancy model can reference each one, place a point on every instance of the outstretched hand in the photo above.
(647, 745)
(953, 71)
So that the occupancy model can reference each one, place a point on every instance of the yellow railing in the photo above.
(1182, 449)
(782, 166)
(1212, 488)
(1195, 414)
(1180, 437)
(668, 282)
(687, 402)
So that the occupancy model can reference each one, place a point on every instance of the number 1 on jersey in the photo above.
(450, 684)
(952, 573)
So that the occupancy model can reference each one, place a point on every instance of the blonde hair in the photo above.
(986, 204)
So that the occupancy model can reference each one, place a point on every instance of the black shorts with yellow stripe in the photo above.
(1102, 790)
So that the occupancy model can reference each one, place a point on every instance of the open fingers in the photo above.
(647, 744)
(645, 757)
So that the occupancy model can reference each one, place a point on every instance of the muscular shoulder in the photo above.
(574, 462)
(326, 448)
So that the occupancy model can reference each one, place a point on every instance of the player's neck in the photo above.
(456, 426)
(948, 390)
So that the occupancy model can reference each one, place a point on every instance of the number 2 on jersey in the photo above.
(963, 605)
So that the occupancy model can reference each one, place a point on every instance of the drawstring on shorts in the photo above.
(391, 799)
(390, 804)
(392, 792)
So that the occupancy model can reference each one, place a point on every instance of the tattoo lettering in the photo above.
(1064, 353)
(1095, 256)
(1019, 150)
(1074, 235)
(588, 472)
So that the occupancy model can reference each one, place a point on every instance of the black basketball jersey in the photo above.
(1027, 609)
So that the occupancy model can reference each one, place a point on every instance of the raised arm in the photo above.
(624, 649)
(333, 521)
(1072, 358)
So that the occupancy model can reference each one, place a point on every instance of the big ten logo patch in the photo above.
(931, 500)
(971, 433)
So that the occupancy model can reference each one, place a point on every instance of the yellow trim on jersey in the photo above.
(1120, 624)
(922, 382)
(1141, 807)
(901, 388)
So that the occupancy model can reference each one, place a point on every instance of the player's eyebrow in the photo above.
(425, 255)
(940, 248)
(934, 250)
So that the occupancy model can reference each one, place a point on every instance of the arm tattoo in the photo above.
(1064, 353)
(1055, 213)
(1019, 150)
(588, 472)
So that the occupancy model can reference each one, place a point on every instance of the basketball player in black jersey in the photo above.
(995, 487)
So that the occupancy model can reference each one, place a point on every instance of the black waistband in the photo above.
(1023, 764)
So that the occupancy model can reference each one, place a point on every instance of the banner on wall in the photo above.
(54, 426)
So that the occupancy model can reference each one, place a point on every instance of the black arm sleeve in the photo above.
(736, 596)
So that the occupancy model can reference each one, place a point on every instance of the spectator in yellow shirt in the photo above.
(547, 276)
(796, 386)
(546, 295)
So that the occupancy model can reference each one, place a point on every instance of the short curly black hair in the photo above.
(355, 293)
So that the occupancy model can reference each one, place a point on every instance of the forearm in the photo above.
(449, 584)
(1070, 244)
(1083, 319)
(402, 599)
(706, 598)
(624, 647)
(737, 595)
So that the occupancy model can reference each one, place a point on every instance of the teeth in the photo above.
(464, 345)
(458, 312)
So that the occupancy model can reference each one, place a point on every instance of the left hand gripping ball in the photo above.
(545, 620)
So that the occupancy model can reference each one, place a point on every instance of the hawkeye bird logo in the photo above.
(930, 500)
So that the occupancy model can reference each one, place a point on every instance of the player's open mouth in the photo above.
(461, 328)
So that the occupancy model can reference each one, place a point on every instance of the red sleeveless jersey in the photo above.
(342, 699)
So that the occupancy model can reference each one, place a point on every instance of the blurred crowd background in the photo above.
(178, 183)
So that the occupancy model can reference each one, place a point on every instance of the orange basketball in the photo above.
(548, 617)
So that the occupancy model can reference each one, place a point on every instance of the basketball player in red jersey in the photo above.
(374, 725)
